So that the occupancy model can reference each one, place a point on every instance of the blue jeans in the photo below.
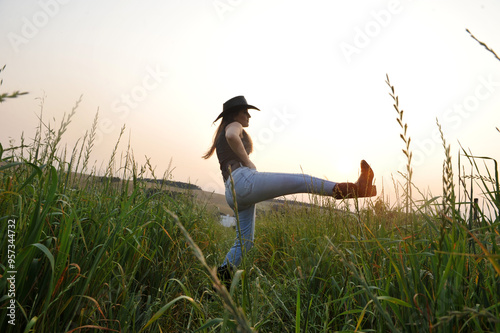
(252, 187)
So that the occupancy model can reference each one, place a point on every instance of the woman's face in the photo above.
(243, 117)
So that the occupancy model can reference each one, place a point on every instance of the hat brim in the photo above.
(235, 109)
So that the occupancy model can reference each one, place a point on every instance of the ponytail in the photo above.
(217, 134)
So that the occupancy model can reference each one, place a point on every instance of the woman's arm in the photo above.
(233, 137)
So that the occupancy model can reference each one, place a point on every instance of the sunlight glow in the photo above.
(316, 70)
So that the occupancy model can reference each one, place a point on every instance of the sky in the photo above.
(316, 69)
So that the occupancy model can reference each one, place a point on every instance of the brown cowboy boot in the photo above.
(362, 188)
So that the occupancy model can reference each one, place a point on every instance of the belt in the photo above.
(233, 165)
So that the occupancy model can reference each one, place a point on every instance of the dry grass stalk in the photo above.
(407, 140)
(448, 186)
(483, 44)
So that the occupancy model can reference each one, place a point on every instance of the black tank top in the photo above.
(226, 155)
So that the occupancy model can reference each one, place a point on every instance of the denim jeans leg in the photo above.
(269, 185)
(247, 226)
(243, 185)
(252, 187)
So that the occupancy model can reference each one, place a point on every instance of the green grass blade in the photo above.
(297, 310)
(167, 306)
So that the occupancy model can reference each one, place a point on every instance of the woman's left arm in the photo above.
(233, 132)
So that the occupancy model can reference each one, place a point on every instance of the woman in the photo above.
(233, 146)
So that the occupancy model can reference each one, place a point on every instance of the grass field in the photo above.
(79, 254)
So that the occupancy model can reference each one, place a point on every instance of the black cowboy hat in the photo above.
(235, 104)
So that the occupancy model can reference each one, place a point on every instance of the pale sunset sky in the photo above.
(316, 69)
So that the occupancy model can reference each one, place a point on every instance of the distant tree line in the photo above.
(172, 183)
(109, 179)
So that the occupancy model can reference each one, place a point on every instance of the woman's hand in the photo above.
(251, 165)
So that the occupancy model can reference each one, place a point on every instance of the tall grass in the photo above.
(107, 254)
(407, 190)
(91, 252)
